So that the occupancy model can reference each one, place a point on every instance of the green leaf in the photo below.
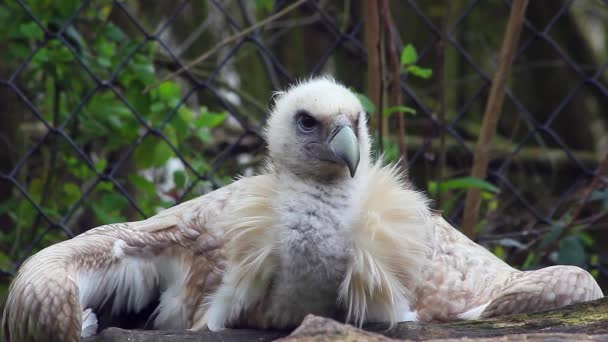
(60, 54)
(571, 252)
(113, 201)
(20, 51)
(114, 33)
(141, 183)
(404, 109)
(51, 212)
(71, 192)
(152, 153)
(425, 73)
(104, 216)
(448, 205)
(204, 135)
(138, 100)
(464, 183)
(556, 231)
(105, 186)
(168, 90)
(179, 178)
(211, 119)
(162, 153)
(367, 104)
(75, 39)
(409, 55)
(31, 30)
(587, 239)
(157, 107)
(5, 262)
(201, 166)
(35, 188)
(104, 61)
(182, 122)
(185, 113)
(144, 72)
(101, 164)
(265, 5)
(530, 262)
(500, 252)
(49, 101)
(171, 134)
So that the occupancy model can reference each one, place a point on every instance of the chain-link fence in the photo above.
(84, 144)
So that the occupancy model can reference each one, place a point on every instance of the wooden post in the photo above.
(395, 67)
(374, 63)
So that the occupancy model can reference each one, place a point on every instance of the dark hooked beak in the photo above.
(345, 146)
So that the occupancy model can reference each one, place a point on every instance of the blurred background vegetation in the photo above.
(82, 144)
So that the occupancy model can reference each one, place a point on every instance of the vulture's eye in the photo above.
(306, 123)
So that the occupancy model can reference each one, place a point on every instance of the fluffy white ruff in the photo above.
(390, 246)
(251, 260)
(390, 235)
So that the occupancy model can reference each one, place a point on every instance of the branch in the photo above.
(492, 112)
(396, 80)
(374, 65)
(602, 170)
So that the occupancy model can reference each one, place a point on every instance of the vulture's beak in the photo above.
(345, 145)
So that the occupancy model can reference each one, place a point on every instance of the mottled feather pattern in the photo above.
(128, 263)
(449, 286)
(546, 288)
(465, 281)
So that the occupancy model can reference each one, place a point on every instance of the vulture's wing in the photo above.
(124, 267)
(544, 289)
(463, 280)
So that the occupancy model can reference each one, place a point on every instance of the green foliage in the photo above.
(557, 229)
(396, 109)
(409, 57)
(457, 187)
(264, 5)
(367, 104)
(463, 183)
(601, 196)
(569, 243)
(500, 252)
(99, 121)
(572, 251)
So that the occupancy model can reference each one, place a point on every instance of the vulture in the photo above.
(324, 229)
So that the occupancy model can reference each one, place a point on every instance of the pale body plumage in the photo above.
(302, 237)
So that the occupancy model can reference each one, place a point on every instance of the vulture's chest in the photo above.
(315, 247)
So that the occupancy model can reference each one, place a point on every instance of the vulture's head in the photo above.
(318, 129)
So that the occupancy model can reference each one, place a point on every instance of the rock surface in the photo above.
(581, 322)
